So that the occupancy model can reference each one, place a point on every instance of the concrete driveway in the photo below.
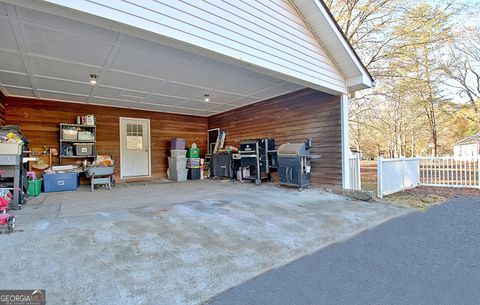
(171, 243)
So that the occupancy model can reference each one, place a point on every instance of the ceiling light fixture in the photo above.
(207, 97)
(93, 79)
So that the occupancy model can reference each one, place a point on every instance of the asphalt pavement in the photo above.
(430, 257)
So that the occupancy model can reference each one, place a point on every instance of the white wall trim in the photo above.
(345, 142)
(121, 119)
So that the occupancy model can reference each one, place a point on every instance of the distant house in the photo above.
(468, 147)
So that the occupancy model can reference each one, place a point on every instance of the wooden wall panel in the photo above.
(39, 120)
(2, 108)
(292, 118)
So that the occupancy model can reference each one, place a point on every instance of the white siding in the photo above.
(466, 150)
(268, 34)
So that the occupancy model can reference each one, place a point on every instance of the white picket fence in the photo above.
(395, 175)
(450, 172)
(354, 166)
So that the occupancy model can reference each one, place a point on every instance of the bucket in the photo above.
(34, 187)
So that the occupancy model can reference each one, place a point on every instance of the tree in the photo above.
(404, 45)
(423, 32)
(462, 69)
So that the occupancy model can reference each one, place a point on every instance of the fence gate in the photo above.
(354, 167)
(395, 175)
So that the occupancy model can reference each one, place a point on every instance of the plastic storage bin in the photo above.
(177, 163)
(85, 136)
(34, 187)
(10, 149)
(193, 153)
(193, 162)
(60, 182)
(178, 175)
(177, 144)
(178, 153)
(194, 173)
(69, 134)
(83, 149)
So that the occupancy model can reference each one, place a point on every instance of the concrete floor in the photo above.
(179, 243)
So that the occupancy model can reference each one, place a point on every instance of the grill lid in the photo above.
(297, 149)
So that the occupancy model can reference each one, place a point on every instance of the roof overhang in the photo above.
(322, 28)
(324, 25)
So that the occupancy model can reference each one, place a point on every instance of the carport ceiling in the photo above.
(51, 57)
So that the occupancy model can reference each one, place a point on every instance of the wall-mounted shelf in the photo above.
(67, 144)
(77, 157)
(78, 125)
(78, 141)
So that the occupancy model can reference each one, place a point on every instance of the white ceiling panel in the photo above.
(196, 104)
(203, 77)
(11, 62)
(129, 81)
(111, 102)
(132, 72)
(106, 91)
(277, 90)
(157, 48)
(164, 100)
(63, 86)
(6, 35)
(119, 93)
(202, 62)
(62, 96)
(67, 25)
(181, 90)
(243, 101)
(67, 46)
(3, 10)
(19, 91)
(221, 108)
(133, 94)
(14, 79)
(223, 97)
(192, 112)
(249, 84)
(61, 69)
(155, 107)
(146, 63)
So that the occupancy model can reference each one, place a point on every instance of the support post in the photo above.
(359, 175)
(345, 142)
(379, 177)
(478, 169)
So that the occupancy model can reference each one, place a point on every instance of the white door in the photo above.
(134, 147)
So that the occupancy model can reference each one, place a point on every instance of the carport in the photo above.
(254, 69)
(282, 71)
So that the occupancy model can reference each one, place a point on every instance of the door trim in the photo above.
(149, 148)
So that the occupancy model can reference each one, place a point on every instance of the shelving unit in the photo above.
(71, 142)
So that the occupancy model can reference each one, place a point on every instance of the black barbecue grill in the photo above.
(294, 164)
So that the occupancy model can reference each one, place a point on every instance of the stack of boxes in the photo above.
(177, 162)
(193, 163)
